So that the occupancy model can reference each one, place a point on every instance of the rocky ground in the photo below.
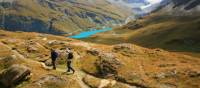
(25, 63)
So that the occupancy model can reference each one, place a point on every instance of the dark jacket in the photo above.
(54, 55)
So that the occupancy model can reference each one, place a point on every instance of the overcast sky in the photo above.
(154, 1)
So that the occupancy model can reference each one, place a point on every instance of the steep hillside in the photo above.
(181, 7)
(58, 16)
(97, 66)
(162, 29)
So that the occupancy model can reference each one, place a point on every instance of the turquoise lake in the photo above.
(87, 34)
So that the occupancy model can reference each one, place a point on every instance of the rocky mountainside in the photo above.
(182, 7)
(25, 63)
(58, 16)
(134, 5)
(141, 8)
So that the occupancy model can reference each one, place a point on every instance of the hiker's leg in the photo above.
(68, 66)
(72, 69)
(54, 64)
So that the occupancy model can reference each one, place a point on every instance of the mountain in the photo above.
(59, 16)
(186, 7)
(140, 8)
(175, 29)
(25, 63)
(133, 2)
(134, 5)
(155, 6)
(159, 50)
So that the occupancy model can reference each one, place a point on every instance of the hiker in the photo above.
(54, 56)
(70, 56)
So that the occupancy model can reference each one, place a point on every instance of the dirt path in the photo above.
(78, 75)
(83, 44)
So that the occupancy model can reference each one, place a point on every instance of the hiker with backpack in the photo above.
(54, 56)
(70, 57)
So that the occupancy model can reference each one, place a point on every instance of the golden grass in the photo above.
(142, 67)
(171, 33)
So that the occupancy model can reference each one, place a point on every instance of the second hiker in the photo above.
(69, 59)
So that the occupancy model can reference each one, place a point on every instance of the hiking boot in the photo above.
(54, 68)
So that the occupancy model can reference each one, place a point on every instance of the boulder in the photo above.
(108, 64)
(8, 61)
(91, 81)
(166, 74)
(14, 75)
(135, 26)
(95, 52)
(56, 42)
(32, 49)
(48, 62)
(50, 80)
(194, 74)
(167, 85)
(94, 82)
(124, 49)
(122, 85)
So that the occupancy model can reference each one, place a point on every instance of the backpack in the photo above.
(70, 55)
(54, 55)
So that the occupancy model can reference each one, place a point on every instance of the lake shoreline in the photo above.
(87, 34)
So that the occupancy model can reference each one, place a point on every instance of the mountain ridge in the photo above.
(58, 16)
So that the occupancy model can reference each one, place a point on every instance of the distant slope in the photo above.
(174, 27)
(175, 32)
(134, 5)
(182, 7)
(58, 16)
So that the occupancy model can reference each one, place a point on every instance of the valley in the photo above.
(179, 35)
(114, 43)
(172, 29)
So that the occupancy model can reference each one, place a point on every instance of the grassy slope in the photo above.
(142, 67)
(179, 33)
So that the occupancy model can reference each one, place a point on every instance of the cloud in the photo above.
(154, 1)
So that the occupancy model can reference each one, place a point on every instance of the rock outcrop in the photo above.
(108, 64)
(181, 7)
(94, 82)
(14, 75)
(8, 61)
(50, 80)
(124, 49)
